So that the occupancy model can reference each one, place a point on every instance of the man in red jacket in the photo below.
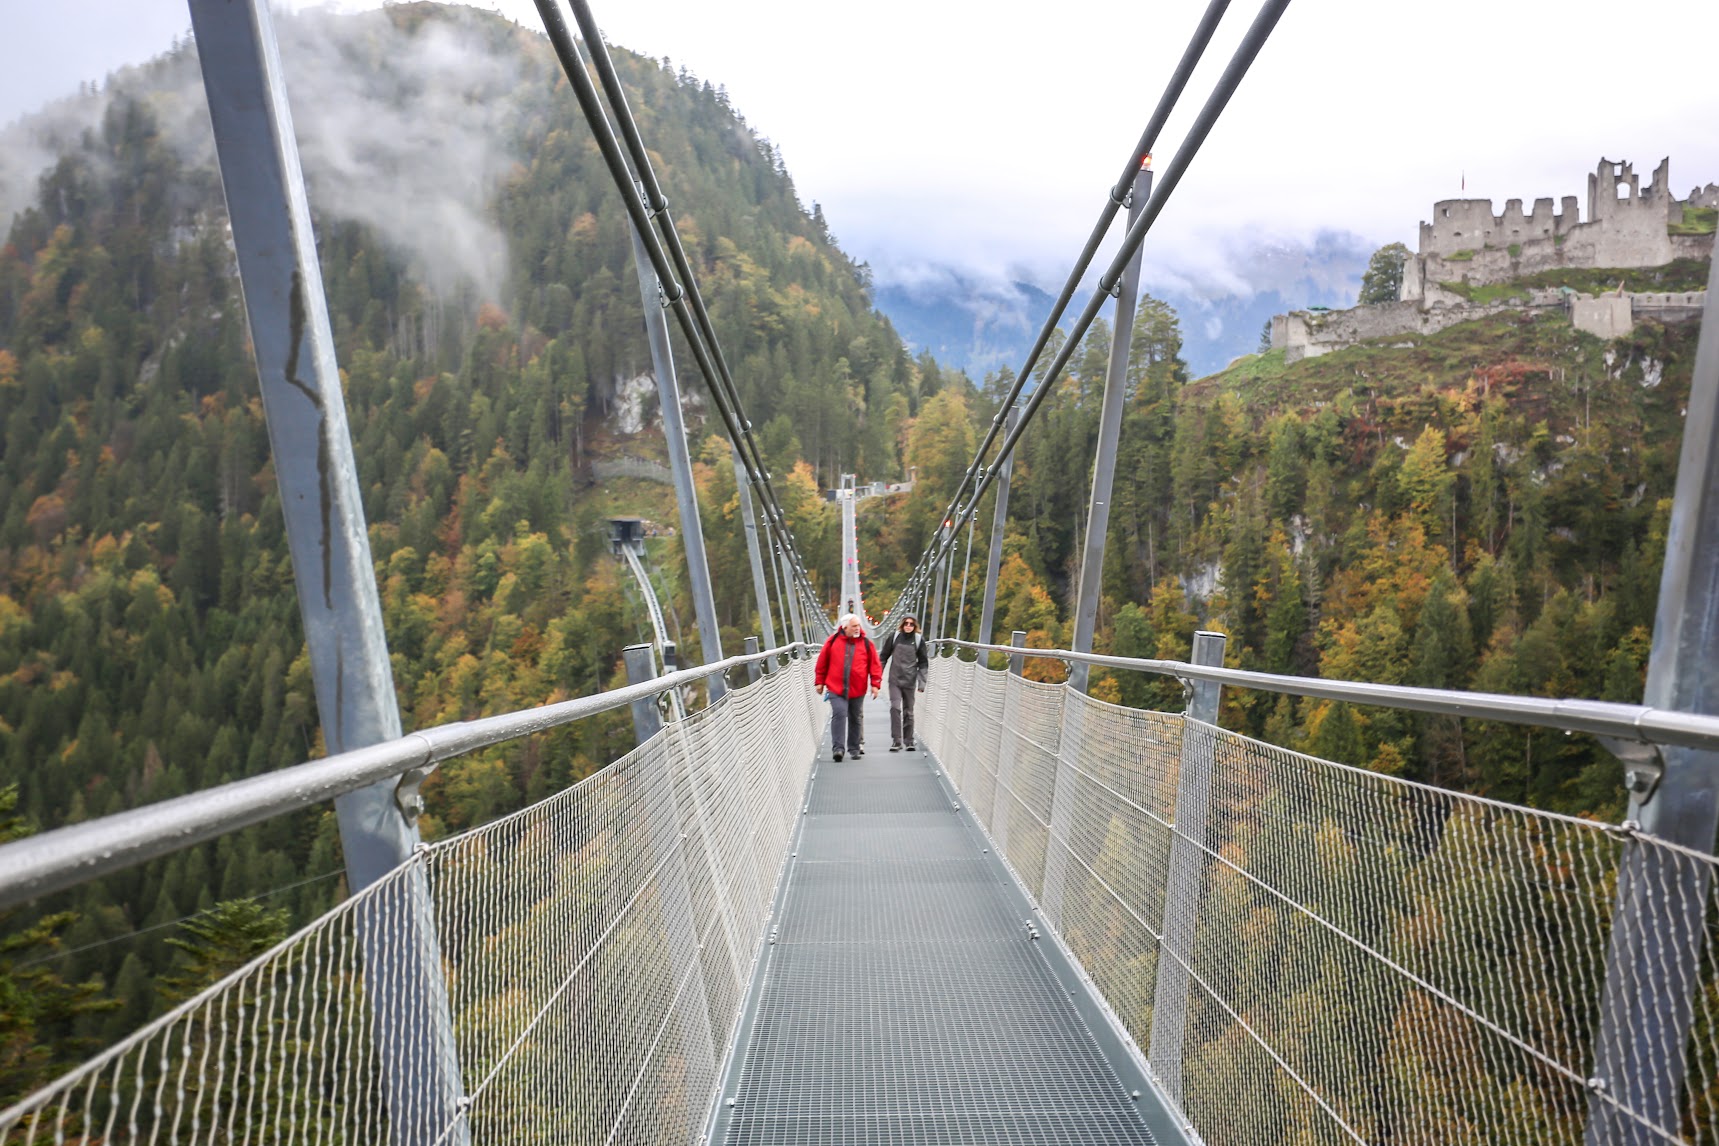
(846, 663)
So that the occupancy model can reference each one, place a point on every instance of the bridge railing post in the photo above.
(789, 595)
(1017, 662)
(699, 1044)
(334, 576)
(641, 666)
(754, 669)
(754, 550)
(966, 563)
(1186, 872)
(948, 581)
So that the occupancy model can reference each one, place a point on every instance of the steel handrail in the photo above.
(66, 857)
(1629, 722)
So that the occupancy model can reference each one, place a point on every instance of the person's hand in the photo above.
(921, 688)
(820, 690)
(874, 692)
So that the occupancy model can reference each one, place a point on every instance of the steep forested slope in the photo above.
(488, 324)
(1484, 508)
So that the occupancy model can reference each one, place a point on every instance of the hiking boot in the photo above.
(895, 748)
(910, 747)
(838, 757)
(858, 752)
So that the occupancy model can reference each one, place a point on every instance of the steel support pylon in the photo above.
(1109, 436)
(332, 569)
(1658, 933)
(680, 463)
(760, 587)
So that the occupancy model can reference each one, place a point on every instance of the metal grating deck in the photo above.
(903, 1001)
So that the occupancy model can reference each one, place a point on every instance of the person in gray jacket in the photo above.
(905, 662)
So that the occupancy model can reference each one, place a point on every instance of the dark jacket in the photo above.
(910, 667)
(866, 666)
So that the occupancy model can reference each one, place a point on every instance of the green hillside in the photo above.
(1483, 508)
(149, 636)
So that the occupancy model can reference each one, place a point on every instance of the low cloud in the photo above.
(1252, 261)
(402, 126)
(407, 132)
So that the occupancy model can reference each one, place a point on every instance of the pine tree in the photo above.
(1383, 279)
(218, 942)
(38, 1009)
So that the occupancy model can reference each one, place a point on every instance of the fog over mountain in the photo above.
(408, 134)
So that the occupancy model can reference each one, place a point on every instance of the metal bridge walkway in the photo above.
(904, 998)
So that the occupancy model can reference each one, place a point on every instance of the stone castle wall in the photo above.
(1303, 334)
(1465, 243)
(1463, 225)
(1626, 227)
(1309, 334)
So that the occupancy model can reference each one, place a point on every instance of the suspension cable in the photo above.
(1257, 34)
(675, 295)
(1114, 200)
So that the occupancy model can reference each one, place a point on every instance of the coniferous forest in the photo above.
(1483, 509)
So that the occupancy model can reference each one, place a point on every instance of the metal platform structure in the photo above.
(906, 993)
(666, 653)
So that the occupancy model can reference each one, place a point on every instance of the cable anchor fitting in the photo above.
(1644, 765)
(408, 794)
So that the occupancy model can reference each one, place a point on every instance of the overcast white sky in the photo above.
(983, 133)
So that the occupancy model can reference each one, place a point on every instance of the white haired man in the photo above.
(846, 664)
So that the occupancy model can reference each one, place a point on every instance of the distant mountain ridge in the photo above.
(981, 326)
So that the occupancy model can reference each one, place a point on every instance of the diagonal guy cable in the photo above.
(752, 457)
(657, 203)
(1114, 201)
(1240, 62)
(675, 296)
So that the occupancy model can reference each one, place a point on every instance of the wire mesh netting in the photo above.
(1307, 952)
(570, 973)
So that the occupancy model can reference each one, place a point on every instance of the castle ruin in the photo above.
(1467, 245)
(1626, 227)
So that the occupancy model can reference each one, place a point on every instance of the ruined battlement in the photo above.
(1614, 191)
(1625, 226)
(1466, 245)
(1463, 225)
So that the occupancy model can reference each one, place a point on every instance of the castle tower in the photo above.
(1603, 187)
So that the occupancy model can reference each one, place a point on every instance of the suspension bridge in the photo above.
(1060, 920)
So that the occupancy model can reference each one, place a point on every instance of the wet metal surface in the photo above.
(903, 1000)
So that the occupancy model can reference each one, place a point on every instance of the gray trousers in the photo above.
(845, 721)
(901, 697)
